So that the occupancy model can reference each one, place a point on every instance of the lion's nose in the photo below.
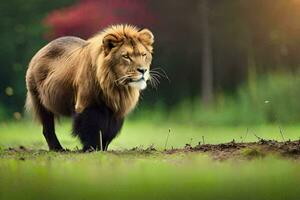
(142, 70)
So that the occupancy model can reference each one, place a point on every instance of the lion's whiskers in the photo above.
(160, 72)
(155, 75)
(122, 79)
(154, 81)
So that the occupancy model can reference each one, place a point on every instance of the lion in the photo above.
(96, 81)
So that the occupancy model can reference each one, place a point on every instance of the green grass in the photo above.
(142, 133)
(135, 175)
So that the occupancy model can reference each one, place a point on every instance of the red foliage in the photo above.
(87, 17)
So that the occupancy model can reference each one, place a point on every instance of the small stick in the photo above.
(101, 146)
(281, 133)
(203, 141)
(106, 146)
(259, 138)
(245, 135)
(167, 139)
(91, 149)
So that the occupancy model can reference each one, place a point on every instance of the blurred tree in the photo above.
(246, 38)
(21, 36)
(207, 59)
(87, 17)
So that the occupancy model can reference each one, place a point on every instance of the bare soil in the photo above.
(288, 149)
(224, 151)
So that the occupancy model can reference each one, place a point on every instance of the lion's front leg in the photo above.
(95, 124)
(87, 127)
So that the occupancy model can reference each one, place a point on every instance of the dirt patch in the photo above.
(224, 151)
(246, 150)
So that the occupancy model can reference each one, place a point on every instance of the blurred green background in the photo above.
(228, 62)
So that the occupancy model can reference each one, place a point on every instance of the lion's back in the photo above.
(50, 75)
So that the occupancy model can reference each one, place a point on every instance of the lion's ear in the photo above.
(109, 42)
(146, 36)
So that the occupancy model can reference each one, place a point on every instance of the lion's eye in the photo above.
(144, 54)
(126, 56)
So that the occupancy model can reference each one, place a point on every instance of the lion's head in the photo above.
(126, 56)
(122, 55)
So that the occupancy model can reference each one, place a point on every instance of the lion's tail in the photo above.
(32, 106)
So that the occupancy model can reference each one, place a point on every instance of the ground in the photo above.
(154, 161)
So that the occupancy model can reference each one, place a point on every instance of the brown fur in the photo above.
(70, 74)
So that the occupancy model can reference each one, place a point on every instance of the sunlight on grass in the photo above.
(142, 133)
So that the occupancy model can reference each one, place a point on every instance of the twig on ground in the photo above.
(244, 138)
(281, 133)
(203, 141)
(106, 146)
(92, 149)
(259, 138)
(167, 139)
(101, 145)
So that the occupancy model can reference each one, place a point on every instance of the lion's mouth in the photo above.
(137, 80)
(138, 83)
